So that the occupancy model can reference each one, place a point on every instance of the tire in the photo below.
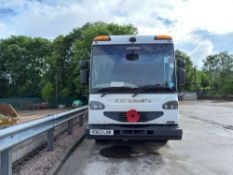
(158, 143)
(162, 142)
(101, 142)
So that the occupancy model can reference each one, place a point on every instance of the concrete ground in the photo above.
(206, 148)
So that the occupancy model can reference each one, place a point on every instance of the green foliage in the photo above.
(228, 87)
(65, 92)
(82, 46)
(204, 81)
(48, 91)
(22, 65)
(219, 72)
(35, 66)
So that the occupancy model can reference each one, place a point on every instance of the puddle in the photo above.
(131, 150)
(118, 152)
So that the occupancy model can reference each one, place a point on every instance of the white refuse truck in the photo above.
(133, 88)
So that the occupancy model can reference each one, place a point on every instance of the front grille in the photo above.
(144, 116)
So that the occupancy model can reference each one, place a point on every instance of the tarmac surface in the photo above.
(206, 148)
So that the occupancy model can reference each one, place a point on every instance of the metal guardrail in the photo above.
(14, 135)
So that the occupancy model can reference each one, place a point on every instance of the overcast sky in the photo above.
(199, 27)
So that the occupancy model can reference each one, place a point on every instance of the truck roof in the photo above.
(132, 39)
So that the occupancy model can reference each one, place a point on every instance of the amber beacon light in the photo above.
(163, 37)
(102, 38)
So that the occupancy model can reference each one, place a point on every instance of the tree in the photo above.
(22, 65)
(228, 88)
(28, 64)
(219, 69)
(203, 81)
(62, 64)
(48, 91)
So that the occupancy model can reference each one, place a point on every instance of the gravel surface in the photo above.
(42, 160)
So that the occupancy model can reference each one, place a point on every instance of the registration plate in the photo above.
(105, 132)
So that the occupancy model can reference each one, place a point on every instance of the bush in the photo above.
(47, 91)
(228, 87)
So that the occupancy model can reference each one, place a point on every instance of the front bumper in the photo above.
(137, 132)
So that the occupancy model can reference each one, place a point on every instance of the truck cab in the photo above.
(133, 88)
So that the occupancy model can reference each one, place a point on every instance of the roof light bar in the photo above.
(163, 37)
(102, 38)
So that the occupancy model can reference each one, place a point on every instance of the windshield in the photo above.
(128, 67)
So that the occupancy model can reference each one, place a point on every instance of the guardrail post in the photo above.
(70, 127)
(81, 120)
(50, 139)
(6, 162)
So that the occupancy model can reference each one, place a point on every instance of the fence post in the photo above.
(50, 139)
(6, 162)
(81, 121)
(70, 127)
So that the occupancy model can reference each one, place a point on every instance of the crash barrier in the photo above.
(18, 134)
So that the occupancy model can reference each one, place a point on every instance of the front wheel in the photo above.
(101, 142)
(162, 142)
(157, 143)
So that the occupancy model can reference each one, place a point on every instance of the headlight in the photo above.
(170, 105)
(95, 105)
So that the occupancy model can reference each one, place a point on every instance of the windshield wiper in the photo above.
(134, 90)
(156, 87)
(147, 88)
(105, 90)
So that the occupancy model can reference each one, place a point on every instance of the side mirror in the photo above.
(181, 77)
(84, 72)
(181, 63)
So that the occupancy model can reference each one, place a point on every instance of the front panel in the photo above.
(148, 106)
